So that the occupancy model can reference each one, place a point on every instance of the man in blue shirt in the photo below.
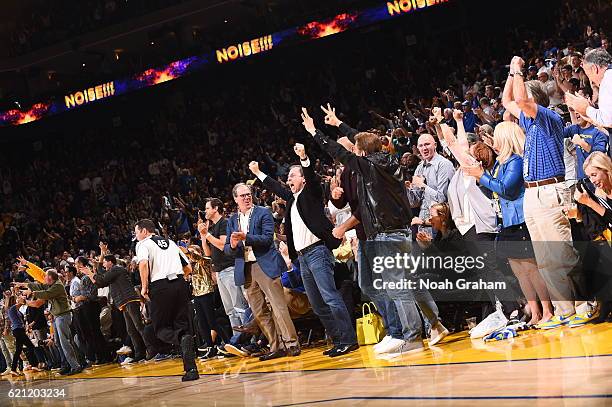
(587, 139)
(546, 194)
(469, 117)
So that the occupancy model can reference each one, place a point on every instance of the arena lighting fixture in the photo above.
(266, 42)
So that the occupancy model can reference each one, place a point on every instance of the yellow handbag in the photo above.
(370, 327)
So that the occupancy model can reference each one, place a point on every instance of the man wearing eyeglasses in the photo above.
(258, 266)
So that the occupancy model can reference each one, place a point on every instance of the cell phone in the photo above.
(201, 214)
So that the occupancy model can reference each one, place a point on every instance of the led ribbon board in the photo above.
(232, 52)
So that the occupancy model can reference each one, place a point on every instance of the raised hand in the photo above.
(516, 64)
(254, 167)
(307, 122)
(22, 261)
(337, 192)
(330, 116)
(437, 112)
(300, 150)
(457, 115)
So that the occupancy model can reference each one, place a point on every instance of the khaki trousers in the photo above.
(551, 235)
(276, 324)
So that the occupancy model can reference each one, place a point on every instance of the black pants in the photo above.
(205, 312)
(170, 309)
(135, 328)
(88, 329)
(21, 340)
(155, 345)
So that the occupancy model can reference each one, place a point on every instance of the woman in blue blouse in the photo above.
(507, 184)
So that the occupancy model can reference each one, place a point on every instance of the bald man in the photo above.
(431, 178)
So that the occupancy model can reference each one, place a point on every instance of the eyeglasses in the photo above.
(243, 196)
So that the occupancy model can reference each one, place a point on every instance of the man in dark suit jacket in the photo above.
(310, 240)
(258, 266)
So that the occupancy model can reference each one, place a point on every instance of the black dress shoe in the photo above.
(273, 355)
(343, 350)
(74, 371)
(330, 350)
(190, 375)
(64, 371)
(294, 351)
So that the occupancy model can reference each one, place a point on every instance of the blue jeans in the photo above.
(405, 300)
(233, 300)
(61, 326)
(384, 303)
(317, 269)
(240, 337)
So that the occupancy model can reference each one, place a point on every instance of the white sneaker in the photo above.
(127, 361)
(391, 346)
(7, 371)
(382, 343)
(494, 322)
(124, 350)
(408, 347)
(438, 332)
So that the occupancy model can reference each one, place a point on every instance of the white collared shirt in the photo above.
(244, 219)
(603, 115)
(302, 236)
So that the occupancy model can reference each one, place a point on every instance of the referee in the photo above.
(163, 272)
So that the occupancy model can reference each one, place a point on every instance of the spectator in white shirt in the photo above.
(597, 65)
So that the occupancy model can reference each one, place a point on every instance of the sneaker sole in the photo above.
(237, 352)
(579, 324)
(438, 338)
(552, 327)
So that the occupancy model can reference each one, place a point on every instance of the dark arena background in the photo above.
(206, 202)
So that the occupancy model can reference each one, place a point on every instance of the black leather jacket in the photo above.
(384, 205)
(121, 287)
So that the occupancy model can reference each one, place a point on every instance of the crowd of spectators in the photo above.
(64, 199)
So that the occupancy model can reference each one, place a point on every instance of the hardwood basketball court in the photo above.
(567, 366)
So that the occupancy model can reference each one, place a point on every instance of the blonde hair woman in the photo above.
(598, 167)
(507, 184)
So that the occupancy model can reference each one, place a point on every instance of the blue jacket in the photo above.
(509, 186)
(261, 238)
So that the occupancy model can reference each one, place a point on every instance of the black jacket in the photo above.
(121, 287)
(383, 203)
(310, 208)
